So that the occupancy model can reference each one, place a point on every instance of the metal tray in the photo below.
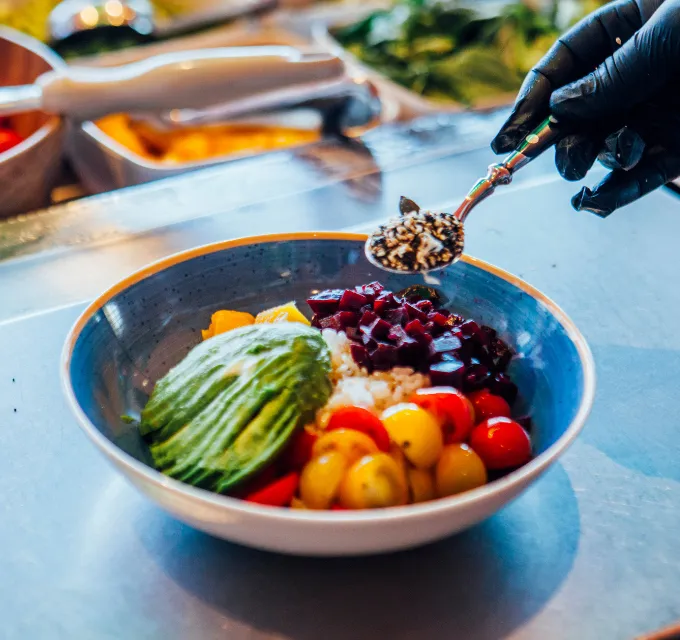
(411, 105)
(102, 164)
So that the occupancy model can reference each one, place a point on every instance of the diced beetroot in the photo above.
(331, 322)
(378, 330)
(470, 328)
(348, 318)
(384, 302)
(396, 316)
(352, 301)
(353, 333)
(414, 313)
(500, 354)
(447, 342)
(415, 328)
(397, 333)
(438, 319)
(502, 386)
(326, 302)
(360, 356)
(475, 378)
(448, 373)
(386, 330)
(412, 354)
(384, 357)
(369, 342)
(371, 291)
(489, 332)
(425, 306)
(368, 318)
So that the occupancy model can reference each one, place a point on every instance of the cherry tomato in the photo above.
(501, 443)
(321, 478)
(299, 452)
(451, 408)
(487, 405)
(363, 420)
(279, 493)
(459, 469)
(421, 484)
(373, 482)
(9, 139)
(417, 433)
(350, 443)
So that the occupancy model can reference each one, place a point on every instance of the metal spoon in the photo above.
(420, 241)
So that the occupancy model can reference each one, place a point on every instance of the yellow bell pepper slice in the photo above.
(224, 320)
(284, 313)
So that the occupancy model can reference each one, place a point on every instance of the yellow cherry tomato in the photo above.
(285, 313)
(459, 469)
(321, 478)
(351, 444)
(417, 433)
(421, 485)
(374, 481)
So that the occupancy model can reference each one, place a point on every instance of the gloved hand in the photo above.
(613, 83)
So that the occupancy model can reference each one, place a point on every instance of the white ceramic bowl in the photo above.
(137, 330)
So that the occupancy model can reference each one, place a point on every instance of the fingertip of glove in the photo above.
(586, 200)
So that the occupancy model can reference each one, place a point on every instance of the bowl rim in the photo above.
(55, 62)
(515, 480)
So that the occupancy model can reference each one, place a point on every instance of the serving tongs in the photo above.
(498, 174)
(237, 80)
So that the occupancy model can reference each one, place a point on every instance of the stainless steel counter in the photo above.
(590, 552)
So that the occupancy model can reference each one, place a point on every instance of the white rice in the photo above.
(353, 385)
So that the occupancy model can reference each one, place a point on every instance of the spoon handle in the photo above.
(540, 139)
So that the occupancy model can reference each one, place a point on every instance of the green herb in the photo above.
(447, 51)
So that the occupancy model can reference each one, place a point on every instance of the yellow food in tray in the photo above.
(194, 144)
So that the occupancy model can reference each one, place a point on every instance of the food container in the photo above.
(103, 164)
(408, 104)
(522, 53)
(29, 170)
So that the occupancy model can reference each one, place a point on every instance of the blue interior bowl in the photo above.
(137, 331)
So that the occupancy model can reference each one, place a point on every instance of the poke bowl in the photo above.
(283, 393)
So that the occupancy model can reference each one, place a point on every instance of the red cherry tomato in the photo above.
(361, 419)
(451, 408)
(299, 452)
(277, 494)
(501, 443)
(487, 405)
(9, 139)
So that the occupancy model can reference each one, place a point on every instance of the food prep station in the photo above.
(588, 552)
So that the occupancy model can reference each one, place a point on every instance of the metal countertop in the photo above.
(591, 551)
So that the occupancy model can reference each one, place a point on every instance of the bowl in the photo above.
(28, 171)
(131, 336)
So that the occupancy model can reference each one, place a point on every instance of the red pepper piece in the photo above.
(277, 494)
(9, 139)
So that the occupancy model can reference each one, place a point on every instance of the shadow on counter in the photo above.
(483, 583)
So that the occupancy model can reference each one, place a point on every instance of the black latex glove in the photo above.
(613, 82)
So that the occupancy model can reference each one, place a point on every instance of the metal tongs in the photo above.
(235, 80)
(441, 249)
